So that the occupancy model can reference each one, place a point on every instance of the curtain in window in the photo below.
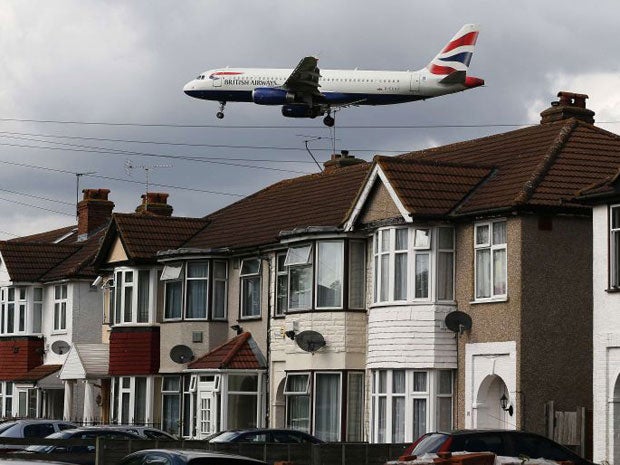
(298, 412)
(355, 407)
(419, 417)
(421, 275)
(381, 419)
(445, 275)
(330, 273)
(143, 295)
(400, 276)
(173, 299)
(197, 298)
(250, 288)
(300, 293)
(327, 408)
(444, 413)
(499, 271)
(483, 273)
(357, 274)
(139, 401)
(220, 285)
(384, 286)
(398, 419)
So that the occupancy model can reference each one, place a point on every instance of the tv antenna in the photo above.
(311, 139)
(130, 165)
(77, 187)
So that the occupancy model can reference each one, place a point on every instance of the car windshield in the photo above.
(429, 444)
(226, 436)
(6, 427)
(48, 448)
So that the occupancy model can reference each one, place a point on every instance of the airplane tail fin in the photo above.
(454, 58)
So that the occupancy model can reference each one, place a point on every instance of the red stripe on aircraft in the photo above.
(435, 69)
(226, 73)
(467, 39)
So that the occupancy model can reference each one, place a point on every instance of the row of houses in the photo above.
(320, 302)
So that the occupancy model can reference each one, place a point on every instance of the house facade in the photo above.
(604, 197)
(48, 305)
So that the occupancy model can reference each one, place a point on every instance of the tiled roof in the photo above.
(29, 261)
(51, 236)
(39, 372)
(428, 187)
(240, 353)
(321, 199)
(143, 235)
(543, 165)
(606, 189)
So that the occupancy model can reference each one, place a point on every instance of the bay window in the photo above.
(21, 310)
(314, 404)
(171, 404)
(130, 398)
(404, 260)
(408, 403)
(316, 275)
(614, 249)
(6, 399)
(491, 263)
(250, 288)
(195, 290)
(243, 401)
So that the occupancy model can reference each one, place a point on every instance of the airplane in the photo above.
(307, 92)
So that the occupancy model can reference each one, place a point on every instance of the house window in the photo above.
(171, 404)
(130, 399)
(60, 307)
(297, 392)
(281, 285)
(195, 290)
(615, 247)
(491, 266)
(132, 296)
(13, 311)
(403, 260)
(409, 403)
(250, 288)
(355, 407)
(243, 401)
(327, 408)
(37, 309)
(6, 399)
(329, 274)
(316, 275)
(299, 261)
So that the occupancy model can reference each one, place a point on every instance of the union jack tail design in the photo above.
(457, 54)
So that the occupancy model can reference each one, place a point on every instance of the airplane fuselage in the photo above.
(337, 86)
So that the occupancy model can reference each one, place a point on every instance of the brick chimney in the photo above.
(340, 160)
(570, 105)
(155, 203)
(93, 211)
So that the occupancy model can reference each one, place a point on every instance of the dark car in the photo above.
(185, 457)
(78, 454)
(30, 428)
(501, 442)
(146, 432)
(286, 436)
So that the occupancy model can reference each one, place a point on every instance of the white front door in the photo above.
(207, 413)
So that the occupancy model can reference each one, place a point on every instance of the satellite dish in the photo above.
(60, 347)
(181, 354)
(310, 341)
(458, 322)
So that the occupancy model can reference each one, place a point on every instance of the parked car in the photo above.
(77, 454)
(287, 436)
(185, 457)
(29, 428)
(146, 432)
(501, 442)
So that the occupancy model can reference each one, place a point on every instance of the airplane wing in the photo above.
(305, 78)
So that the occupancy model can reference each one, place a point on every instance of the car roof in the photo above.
(81, 429)
(193, 453)
(28, 421)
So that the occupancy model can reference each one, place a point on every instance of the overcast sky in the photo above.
(124, 63)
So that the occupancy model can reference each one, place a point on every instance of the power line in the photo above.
(36, 206)
(36, 197)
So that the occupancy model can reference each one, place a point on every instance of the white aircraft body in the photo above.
(307, 92)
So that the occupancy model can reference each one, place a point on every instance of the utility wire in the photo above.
(36, 197)
(36, 206)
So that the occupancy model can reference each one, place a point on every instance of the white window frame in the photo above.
(184, 308)
(316, 273)
(250, 276)
(614, 248)
(4, 397)
(281, 271)
(59, 324)
(313, 407)
(211, 312)
(120, 310)
(442, 250)
(130, 390)
(296, 261)
(430, 395)
(492, 248)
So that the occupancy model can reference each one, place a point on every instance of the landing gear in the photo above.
(329, 120)
(220, 114)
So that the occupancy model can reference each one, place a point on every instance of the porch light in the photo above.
(503, 402)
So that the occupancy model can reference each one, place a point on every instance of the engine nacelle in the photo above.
(271, 96)
(301, 111)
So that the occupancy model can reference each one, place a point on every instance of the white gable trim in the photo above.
(361, 201)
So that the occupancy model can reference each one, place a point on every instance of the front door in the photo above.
(207, 414)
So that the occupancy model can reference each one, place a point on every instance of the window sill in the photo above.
(612, 290)
(489, 301)
(250, 318)
(410, 303)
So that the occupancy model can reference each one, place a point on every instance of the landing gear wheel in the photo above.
(329, 121)
(220, 114)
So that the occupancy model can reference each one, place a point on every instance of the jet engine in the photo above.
(301, 111)
(271, 96)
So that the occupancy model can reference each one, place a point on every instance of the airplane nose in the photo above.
(190, 89)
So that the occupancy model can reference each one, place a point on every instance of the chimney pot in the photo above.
(155, 203)
(569, 105)
(340, 160)
(93, 211)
